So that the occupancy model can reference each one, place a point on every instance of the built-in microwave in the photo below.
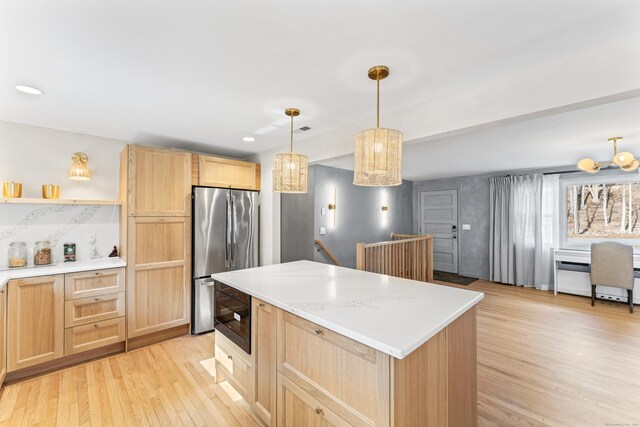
(232, 315)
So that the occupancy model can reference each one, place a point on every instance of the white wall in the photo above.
(35, 156)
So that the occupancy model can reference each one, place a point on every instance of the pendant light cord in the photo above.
(378, 103)
(291, 144)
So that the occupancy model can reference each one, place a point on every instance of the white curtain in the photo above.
(515, 240)
(550, 226)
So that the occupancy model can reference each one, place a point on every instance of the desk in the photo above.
(580, 283)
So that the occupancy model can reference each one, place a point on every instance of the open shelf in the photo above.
(36, 201)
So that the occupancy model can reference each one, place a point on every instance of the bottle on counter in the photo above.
(42, 253)
(18, 254)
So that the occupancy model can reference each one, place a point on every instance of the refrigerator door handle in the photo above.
(227, 234)
(234, 231)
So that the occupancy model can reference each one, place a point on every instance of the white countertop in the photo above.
(61, 268)
(390, 314)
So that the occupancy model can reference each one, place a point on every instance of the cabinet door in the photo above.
(159, 182)
(348, 377)
(158, 276)
(298, 408)
(264, 351)
(90, 310)
(36, 321)
(228, 173)
(93, 335)
(3, 333)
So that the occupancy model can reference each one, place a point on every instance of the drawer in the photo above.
(297, 408)
(93, 335)
(235, 365)
(93, 283)
(90, 310)
(349, 378)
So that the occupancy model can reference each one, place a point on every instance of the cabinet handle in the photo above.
(319, 411)
(2, 291)
(229, 357)
(97, 273)
(97, 299)
(260, 304)
(319, 331)
(95, 326)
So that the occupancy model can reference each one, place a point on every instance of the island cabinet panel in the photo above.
(3, 333)
(158, 285)
(436, 385)
(93, 283)
(35, 321)
(297, 408)
(158, 182)
(234, 365)
(264, 355)
(228, 173)
(347, 377)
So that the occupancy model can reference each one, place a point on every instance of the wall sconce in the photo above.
(332, 206)
(79, 170)
(385, 208)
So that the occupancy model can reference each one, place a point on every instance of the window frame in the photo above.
(570, 243)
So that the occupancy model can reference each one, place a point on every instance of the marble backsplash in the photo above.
(60, 224)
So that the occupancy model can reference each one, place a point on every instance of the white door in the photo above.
(439, 217)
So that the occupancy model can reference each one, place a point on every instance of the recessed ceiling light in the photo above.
(29, 89)
(248, 139)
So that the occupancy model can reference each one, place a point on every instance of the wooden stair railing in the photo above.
(410, 257)
(328, 252)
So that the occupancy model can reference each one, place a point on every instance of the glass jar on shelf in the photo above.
(42, 253)
(18, 254)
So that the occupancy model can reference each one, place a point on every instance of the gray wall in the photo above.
(473, 209)
(296, 226)
(359, 216)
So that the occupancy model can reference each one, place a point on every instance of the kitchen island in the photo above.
(335, 346)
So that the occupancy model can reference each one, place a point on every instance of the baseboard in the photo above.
(154, 337)
(64, 362)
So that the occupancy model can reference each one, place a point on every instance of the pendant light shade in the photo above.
(624, 160)
(79, 170)
(290, 170)
(378, 151)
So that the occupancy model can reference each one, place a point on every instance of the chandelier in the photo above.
(378, 151)
(624, 160)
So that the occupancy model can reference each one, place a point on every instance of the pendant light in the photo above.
(290, 169)
(79, 170)
(378, 151)
(624, 160)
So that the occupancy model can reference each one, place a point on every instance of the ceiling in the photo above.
(551, 141)
(201, 74)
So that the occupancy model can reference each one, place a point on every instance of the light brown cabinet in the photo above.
(35, 321)
(93, 283)
(93, 335)
(228, 173)
(158, 273)
(264, 355)
(94, 309)
(3, 333)
(297, 408)
(158, 181)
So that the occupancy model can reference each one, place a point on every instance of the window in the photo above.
(605, 209)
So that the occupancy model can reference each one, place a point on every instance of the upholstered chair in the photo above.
(612, 265)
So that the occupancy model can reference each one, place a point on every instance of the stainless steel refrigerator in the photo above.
(225, 237)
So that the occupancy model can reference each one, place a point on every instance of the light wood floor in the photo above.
(542, 361)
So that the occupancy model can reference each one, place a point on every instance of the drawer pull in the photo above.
(260, 304)
(96, 273)
(96, 325)
(229, 357)
(97, 299)
(319, 411)
(319, 331)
